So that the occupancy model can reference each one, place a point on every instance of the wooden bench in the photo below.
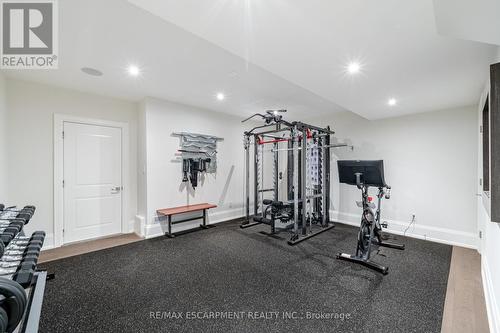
(169, 212)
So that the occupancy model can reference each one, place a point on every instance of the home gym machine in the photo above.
(366, 174)
(304, 209)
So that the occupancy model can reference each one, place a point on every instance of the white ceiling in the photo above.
(310, 42)
(177, 65)
(471, 20)
(268, 54)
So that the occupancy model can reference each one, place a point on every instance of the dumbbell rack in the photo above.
(35, 293)
(18, 267)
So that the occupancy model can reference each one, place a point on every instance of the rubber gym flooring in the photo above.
(228, 279)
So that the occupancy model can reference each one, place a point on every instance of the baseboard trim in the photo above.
(489, 294)
(419, 231)
(48, 242)
(140, 225)
(433, 234)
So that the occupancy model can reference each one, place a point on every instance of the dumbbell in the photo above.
(18, 250)
(28, 208)
(9, 268)
(8, 227)
(24, 277)
(15, 261)
(21, 243)
(25, 214)
(2, 207)
(14, 228)
(29, 254)
(23, 266)
(19, 223)
(11, 230)
(37, 235)
(15, 251)
(17, 247)
(8, 235)
(8, 214)
(12, 306)
(23, 251)
(22, 254)
(23, 271)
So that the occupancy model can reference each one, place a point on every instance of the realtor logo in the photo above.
(29, 34)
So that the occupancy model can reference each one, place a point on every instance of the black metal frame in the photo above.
(204, 224)
(31, 319)
(306, 206)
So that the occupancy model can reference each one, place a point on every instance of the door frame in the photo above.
(59, 120)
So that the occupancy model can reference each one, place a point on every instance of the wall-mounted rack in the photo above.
(198, 153)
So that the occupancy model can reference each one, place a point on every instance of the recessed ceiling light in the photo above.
(134, 70)
(220, 96)
(91, 71)
(353, 67)
(392, 101)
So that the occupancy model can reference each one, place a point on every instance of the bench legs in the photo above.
(169, 221)
(203, 225)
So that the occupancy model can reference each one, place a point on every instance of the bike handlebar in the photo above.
(360, 185)
(358, 180)
(388, 192)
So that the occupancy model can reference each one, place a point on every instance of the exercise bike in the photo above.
(366, 174)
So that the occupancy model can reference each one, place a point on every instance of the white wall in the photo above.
(490, 264)
(3, 140)
(141, 171)
(430, 162)
(164, 186)
(30, 143)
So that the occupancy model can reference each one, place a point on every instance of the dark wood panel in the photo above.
(495, 141)
(486, 146)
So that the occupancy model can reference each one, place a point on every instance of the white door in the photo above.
(92, 181)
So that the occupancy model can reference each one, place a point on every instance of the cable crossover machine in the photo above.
(304, 208)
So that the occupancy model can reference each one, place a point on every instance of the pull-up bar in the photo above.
(307, 211)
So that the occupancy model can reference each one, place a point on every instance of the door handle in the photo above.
(116, 190)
